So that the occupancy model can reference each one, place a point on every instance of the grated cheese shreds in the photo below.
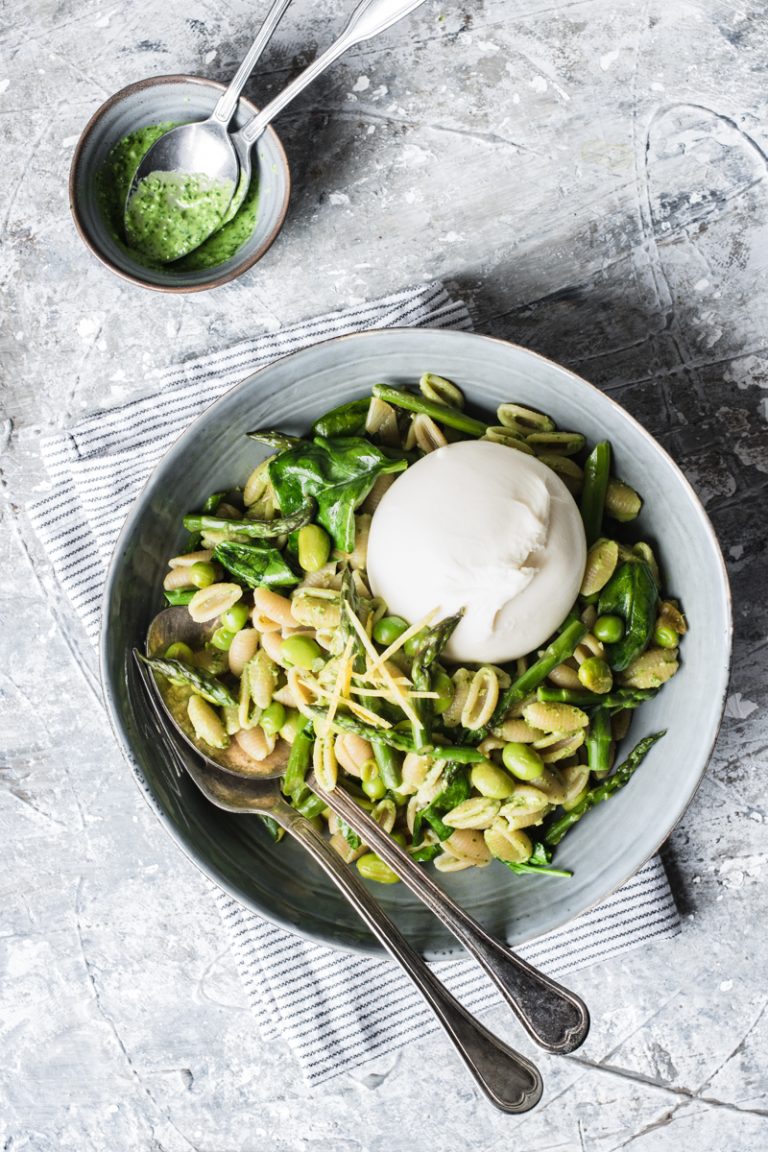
(387, 695)
(343, 679)
(397, 644)
(385, 676)
(366, 714)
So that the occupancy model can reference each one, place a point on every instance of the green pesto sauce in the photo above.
(157, 225)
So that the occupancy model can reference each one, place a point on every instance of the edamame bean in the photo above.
(222, 639)
(522, 761)
(389, 629)
(372, 783)
(314, 547)
(272, 718)
(609, 629)
(492, 781)
(301, 651)
(665, 637)
(235, 617)
(595, 675)
(372, 867)
(201, 575)
(179, 651)
(444, 686)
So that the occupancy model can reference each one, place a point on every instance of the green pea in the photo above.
(665, 637)
(314, 547)
(202, 574)
(522, 761)
(595, 675)
(179, 651)
(444, 686)
(608, 629)
(222, 639)
(372, 867)
(235, 617)
(372, 783)
(301, 651)
(492, 781)
(272, 718)
(389, 629)
(413, 643)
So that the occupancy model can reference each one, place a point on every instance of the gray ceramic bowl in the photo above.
(155, 101)
(609, 845)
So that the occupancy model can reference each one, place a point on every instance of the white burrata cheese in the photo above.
(483, 527)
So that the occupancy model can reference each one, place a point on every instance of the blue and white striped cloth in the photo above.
(336, 1010)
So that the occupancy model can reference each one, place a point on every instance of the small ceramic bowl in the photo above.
(158, 100)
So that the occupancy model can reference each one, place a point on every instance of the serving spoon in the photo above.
(510, 1081)
(554, 1017)
(222, 160)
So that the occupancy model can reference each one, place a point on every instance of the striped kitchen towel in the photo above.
(336, 1010)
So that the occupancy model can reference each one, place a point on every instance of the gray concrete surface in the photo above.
(592, 176)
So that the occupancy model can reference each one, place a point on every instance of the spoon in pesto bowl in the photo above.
(554, 1017)
(195, 177)
(184, 184)
(510, 1081)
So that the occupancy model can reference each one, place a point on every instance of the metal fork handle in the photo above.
(554, 1017)
(509, 1080)
(227, 102)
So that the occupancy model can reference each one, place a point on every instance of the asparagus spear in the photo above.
(199, 681)
(602, 791)
(259, 529)
(599, 740)
(622, 698)
(391, 736)
(274, 439)
(428, 653)
(596, 474)
(560, 649)
(442, 413)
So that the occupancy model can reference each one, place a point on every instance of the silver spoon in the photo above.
(554, 1017)
(225, 160)
(180, 149)
(510, 1081)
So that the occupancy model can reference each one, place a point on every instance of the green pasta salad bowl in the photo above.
(457, 581)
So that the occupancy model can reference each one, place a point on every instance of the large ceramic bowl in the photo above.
(615, 839)
(179, 100)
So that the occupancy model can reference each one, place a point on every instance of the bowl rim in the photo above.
(115, 98)
(372, 947)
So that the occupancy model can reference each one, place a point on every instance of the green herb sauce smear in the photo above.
(154, 223)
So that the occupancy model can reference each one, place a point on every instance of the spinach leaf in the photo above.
(538, 863)
(256, 565)
(179, 595)
(339, 473)
(351, 837)
(455, 789)
(346, 420)
(428, 852)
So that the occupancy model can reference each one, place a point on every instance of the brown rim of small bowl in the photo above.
(129, 90)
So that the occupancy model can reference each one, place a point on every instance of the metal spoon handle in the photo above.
(510, 1081)
(227, 102)
(554, 1017)
(368, 19)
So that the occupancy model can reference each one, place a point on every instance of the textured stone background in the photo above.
(592, 176)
